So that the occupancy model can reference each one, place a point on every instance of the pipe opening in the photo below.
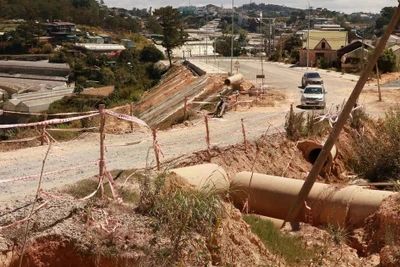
(313, 155)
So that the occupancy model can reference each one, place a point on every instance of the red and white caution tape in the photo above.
(47, 122)
(200, 102)
(23, 220)
(332, 117)
(105, 223)
(71, 129)
(309, 216)
(52, 114)
(21, 140)
(45, 173)
(112, 186)
(126, 117)
(158, 148)
(49, 195)
(94, 192)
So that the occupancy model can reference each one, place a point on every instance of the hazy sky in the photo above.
(347, 6)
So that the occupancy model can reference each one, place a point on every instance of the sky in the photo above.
(346, 6)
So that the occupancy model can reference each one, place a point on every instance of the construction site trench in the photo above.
(65, 229)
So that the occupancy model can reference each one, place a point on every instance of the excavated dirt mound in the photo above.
(69, 232)
(381, 233)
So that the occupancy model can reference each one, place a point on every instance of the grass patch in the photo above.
(291, 248)
(180, 212)
(87, 186)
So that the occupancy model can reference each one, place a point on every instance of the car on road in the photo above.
(313, 96)
(311, 77)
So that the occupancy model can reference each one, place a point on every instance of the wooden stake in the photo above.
(379, 83)
(156, 148)
(43, 134)
(244, 135)
(185, 108)
(236, 101)
(131, 113)
(207, 139)
(101, 129)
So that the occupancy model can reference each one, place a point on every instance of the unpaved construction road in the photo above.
(71, 161)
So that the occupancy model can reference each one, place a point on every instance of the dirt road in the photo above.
(68, 162)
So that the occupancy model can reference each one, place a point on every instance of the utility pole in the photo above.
(269, 42)
(262, 50)
(206, 37)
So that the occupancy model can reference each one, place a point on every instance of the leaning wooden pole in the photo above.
(316, 168)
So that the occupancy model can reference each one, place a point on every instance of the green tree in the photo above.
(150, 54)
(292, 42)
(223, 46)
(174, 35)
(387, 61)
(293, 18)
(386, 15)
(106, 76)
(153, 26)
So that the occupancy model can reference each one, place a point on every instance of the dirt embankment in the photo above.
(69, 232)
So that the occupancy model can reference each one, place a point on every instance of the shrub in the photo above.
(378, 154)
(299, 125)
(358, 118)
(294, 124)
(323, 63)
(387, 61)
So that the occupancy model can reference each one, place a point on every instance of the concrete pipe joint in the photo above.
(311, 150)
(273, 196)
(204, 177)
(235, 79)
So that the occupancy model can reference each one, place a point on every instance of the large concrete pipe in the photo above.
(273, 196)
(204, 177)
(234, 79)
(311, 150)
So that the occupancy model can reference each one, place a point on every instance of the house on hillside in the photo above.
(61, 31)
(321, 45)
(351, 56)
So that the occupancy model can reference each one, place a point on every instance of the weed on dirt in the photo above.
(290, 248)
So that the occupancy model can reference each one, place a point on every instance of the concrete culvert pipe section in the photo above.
(204, 177)
(235, 79)
(311, 150)
(273, 196)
